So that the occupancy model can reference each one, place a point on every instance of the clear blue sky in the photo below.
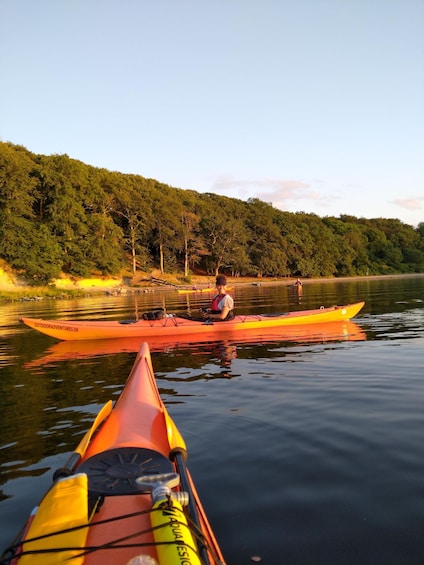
(313, 105)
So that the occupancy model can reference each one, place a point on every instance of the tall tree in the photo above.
(225, 233)
(131, 208)
(190, 223)
(64, 185)
(167, 234)
(25, 245)
(267, 247)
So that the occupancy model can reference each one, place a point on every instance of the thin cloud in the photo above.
(269, 190)
(409, 203)
(278, 191)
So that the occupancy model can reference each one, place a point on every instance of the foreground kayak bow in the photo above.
(125, 497)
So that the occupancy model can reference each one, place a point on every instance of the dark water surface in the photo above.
(304, 452)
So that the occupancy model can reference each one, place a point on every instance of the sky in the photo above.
(315, 106)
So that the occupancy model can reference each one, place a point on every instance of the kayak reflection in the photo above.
(225, 347)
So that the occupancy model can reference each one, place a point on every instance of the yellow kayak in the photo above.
(195, 290)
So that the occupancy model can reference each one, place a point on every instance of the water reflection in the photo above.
(295, 293)
(225, 347)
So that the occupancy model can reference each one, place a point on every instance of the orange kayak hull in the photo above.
(177, 327)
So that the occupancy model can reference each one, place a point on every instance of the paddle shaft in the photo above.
(179, 456)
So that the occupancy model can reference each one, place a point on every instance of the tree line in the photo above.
(59, 215)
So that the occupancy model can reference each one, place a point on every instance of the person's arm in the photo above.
(221, 316)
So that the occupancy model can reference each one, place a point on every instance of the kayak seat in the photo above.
(114, 472)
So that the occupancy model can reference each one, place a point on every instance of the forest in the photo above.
(60, 215)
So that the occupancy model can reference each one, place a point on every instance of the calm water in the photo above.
(304, 452)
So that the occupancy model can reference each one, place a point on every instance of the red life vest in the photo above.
(215, 303)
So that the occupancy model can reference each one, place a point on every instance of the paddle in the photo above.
(79, 452)
(179, 454)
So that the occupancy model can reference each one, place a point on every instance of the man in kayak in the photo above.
(222, 306)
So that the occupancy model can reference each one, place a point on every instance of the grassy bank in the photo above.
(39, 293)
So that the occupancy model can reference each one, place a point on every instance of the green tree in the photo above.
(353, 258)
(267, 247)
(190, 223)
(42, 261)
(168, 233)
(57, 213)
(25, 245)
(224, 233)
(133, 213)
(18, 187)
(64, 184)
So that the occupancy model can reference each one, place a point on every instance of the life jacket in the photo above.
(215, 304)
(215, 308)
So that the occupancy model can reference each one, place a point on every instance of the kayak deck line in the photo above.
(128, 494)
(176, 326)
(113, 544)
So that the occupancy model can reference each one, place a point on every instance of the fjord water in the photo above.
(305, 451)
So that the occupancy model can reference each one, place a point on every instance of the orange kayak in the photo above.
(176, 327)
(125, 497)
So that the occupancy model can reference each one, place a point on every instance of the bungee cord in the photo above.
(11, 552)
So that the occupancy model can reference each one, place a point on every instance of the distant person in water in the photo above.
(298, 283)
(222, 306)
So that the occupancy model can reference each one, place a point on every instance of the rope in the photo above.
(113, 544)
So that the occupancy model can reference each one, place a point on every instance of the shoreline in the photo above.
(289, 281)
(10, 292)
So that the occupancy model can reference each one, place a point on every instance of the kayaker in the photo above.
(222, 306)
